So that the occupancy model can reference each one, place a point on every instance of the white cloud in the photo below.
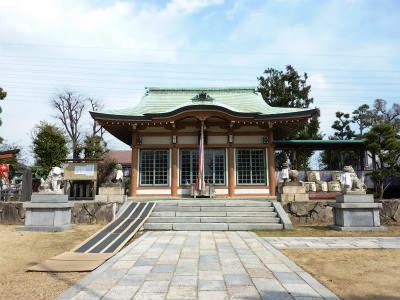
(231, 13)
(190, 6)
(76, 23)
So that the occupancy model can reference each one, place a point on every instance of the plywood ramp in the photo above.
(101, 246)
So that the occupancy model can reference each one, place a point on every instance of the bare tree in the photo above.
(383, 115)
(96, 105)
(70, 107)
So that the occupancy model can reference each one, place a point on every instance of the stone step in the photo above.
(238, 220)
(212, 226)
(200, 214)
(214, 203)
(164, 214)
(221, 203)
(212, 220)
(251, 214)
(212, 214)
(214, 208)
(173, 220)
(175, 208)
(255, 226)
(239, 208)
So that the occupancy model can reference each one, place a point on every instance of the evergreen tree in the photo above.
(49, 146)
(94, 146)
(382, 142)
(342, 127)
(362, 116)
(285, 89)
(289, 89)
(335, 160)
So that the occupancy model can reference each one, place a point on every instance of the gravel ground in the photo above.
(326, 231)
(19, 250)
(353, 273)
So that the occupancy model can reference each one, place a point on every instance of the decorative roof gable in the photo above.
(236, 100)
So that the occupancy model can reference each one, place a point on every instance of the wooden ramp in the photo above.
(102, 245)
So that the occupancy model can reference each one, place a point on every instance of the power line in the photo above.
(189, 50)
(157, 63)
(182, 75)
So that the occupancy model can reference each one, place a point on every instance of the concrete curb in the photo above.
(287, 224)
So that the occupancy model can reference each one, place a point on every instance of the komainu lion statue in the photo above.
(294, 175)
(115, 176)
(350, 181)
(52, 184)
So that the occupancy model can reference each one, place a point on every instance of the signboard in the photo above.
(80, 171)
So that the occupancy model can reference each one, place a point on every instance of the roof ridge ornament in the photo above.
(202, 96)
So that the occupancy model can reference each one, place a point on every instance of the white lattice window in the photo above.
(214, 166)
(154, 167)
(250, 166)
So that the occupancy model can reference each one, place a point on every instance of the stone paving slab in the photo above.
(208, 265)
(334, 242)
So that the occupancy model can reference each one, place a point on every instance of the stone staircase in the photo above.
(213, 214)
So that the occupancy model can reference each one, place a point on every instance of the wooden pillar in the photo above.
(231, 171)
(271, 162)
(362, 159)
(174, 172)
(134, 164)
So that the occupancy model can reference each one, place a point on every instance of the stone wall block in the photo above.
(309, 212)
(92, 213)
(390, 212)
(12, 213)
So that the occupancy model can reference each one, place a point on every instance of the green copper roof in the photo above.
(319, 141)
(158, 100)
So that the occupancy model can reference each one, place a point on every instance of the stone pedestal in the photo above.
(47, 212)
(111, 190)
(356, 212)
(293, 193)
(111, 193)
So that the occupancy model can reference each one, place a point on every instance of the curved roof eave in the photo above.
(300, 114)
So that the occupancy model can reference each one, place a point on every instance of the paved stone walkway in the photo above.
(334, 242)
(199, 265)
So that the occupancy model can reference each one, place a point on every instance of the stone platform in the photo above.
(47, 212)
(293, 193)
(202, 265)
(356, 212)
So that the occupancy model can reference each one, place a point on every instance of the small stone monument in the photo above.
(112, 189)
(293, 190)
(49, 209)
(355, 210)
(334, 185)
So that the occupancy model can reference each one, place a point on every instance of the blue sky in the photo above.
(111, 50)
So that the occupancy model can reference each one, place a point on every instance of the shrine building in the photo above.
(236, 126)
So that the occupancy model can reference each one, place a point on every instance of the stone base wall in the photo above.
(320, 213)
(300, 213)
(93, 212)
(12, 213)
(309, 212)
(83, 212)
(390, 212)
